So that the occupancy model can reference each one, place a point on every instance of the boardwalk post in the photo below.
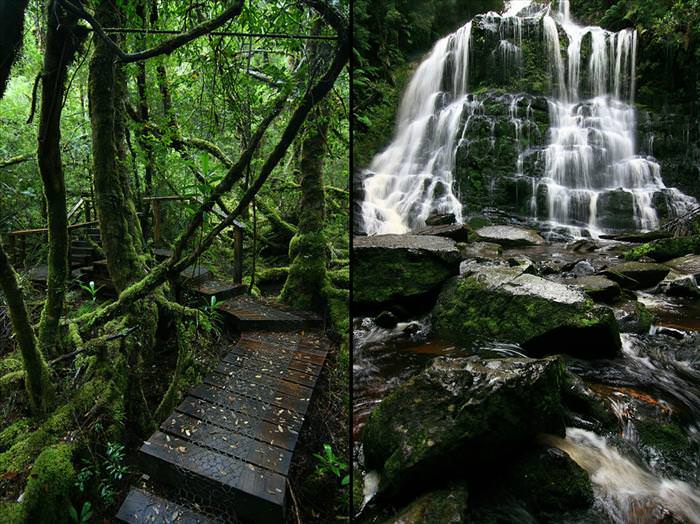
(238, 255)
(156, 222)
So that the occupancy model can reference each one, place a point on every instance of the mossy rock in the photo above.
(548, 480)
(637, 275)
(544, 317)
(389, 268)
(437, 507)
(458, 415)
(666, 249)
(47, 497)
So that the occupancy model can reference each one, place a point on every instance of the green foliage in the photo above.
(85, 513)
(100, 475)
(91, 289)
(330, 463)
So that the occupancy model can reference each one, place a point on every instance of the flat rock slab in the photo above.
(231, 440)
(637, 275)
(481, 250)
(687, 265)
(510, 236)
(457, 232)
(249, 314)
(506, 304)
(142, 507)
(401, 268)
(441, 247)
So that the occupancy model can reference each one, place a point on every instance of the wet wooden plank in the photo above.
(142, 507)
(284, 395)
(230, 443)
(274, 370)
(249, 407)
(248, 313)
(256, 494)
(283, 434)
(221, 290)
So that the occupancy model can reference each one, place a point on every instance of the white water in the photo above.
(590, 161)
(625, 490)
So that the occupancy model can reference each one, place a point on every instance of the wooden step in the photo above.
(227, 441)
(195, 275)
(279, 434)
(221, 290)
(256, 494)
(247, 313)
(141, 507)
(162, 254)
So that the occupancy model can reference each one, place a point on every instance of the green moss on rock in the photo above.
(437, 507)
(47, 496)
(544, 317)
(666, 249)
(458, 414)
(548, 480)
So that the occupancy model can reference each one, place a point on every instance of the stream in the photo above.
(654, 380)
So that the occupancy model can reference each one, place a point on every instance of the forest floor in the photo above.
(316, 495)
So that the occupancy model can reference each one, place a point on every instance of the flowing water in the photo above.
(655, 382)
(591, 167)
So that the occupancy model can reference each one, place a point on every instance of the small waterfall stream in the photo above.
(590, 161)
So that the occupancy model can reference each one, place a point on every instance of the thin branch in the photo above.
(164, 48)
(16, 160)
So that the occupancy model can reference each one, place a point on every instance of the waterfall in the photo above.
(412, 178)
(593, 179)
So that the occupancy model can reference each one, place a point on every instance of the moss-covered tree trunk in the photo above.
(119, 226)
(62, 42)
(36, 371)
(116, 211)
(306, 283)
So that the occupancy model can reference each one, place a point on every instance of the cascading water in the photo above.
(412, 178)
(590, 168)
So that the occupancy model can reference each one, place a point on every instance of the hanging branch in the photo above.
(164, 48)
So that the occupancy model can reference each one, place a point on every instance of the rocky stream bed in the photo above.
(501, 377)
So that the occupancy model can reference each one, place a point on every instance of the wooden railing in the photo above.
(237, 228)
(17, 240)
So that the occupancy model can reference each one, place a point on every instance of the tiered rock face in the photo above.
(528, 112)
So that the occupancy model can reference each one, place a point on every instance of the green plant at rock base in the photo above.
(330, 463)
(103, 473)
(91, 289)
(84, 516)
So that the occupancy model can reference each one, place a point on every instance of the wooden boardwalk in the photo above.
(229, 445)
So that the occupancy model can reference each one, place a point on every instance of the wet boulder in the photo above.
(441, 220)
(388, 268)
(633, 317)
(687, 265)
(457, 232)
(599, 288)
(637, 275)
(436, 507)
(457, 417)
(510, 236)
(547, 480)
(507, 305)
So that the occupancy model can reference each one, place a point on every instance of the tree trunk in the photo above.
(115, 208)
(37, 373)
(307, 280)
(11, 31)
(62, 42)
